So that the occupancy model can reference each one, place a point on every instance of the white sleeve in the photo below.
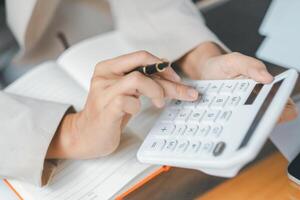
(27, 127)
(166, 28)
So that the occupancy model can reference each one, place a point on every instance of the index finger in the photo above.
(125, 63)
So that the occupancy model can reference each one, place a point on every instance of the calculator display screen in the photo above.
(255, 92)
(261, 112)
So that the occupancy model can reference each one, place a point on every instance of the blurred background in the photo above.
(236, 22)
(94, 15)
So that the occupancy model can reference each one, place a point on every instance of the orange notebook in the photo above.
(111, 177)
(122, 194)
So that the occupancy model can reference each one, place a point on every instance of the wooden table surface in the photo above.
(266, 180)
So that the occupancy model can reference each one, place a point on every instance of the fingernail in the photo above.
(160, 103)
(266, 74)
(192, 93)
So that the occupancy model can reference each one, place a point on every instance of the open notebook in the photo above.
(67, 80)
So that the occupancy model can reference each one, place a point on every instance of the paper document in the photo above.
(286, 137)
(282, 28)
(283, 51)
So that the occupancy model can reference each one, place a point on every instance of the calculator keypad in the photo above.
(197, 128)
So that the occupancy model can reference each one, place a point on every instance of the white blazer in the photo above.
(167, 28)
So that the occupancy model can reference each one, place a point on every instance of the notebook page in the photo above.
(49, 82)
(90, 179)
(79, 60)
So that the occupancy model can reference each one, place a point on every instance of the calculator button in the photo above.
(182, 146)
(228, 87)
(169, 115)
(194, 147)
(207, 147)
(210, 115)
(224, 116)
(203, 130)
(183, 115)
(214, 88)
(196, 115)
(156, 145)
(202, 87)
(164, 129)
(233, 101)
(170, 145)
(180, 129)
(205, 100)
(191, 130)
(192, 104)
(216, 131)
(219, 148)
(176, 103)
(242, 87)
(219, 101)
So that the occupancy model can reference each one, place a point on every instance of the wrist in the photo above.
(62, 144)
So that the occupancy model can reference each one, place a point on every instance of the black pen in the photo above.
(152, 69)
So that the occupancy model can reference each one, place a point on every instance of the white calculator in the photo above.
(221, 131)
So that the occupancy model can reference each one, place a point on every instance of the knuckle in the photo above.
(135, 78)
(179, 90)
(119, 102)
(235, 54)
(98, 66)
(95, 82)
(143, 54)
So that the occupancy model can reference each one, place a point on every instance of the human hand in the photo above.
(113, 98)
(208, 61)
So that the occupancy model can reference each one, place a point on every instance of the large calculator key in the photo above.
(182, 146)
(164, 129)
(228, 87)
(191, 130)
(196, 115)
(224, 116)
(242, 87)
(170, 145)
(205, 100)
(210, 115)
(179, 130)
(194, 147)
(219, 148)
(233, 101)
(207, 148)
(214, 88)
(155, 145)
(219, 101)
(202, 87)
(203, 130)
(216, 131)
(169, 115)
(183, 115)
